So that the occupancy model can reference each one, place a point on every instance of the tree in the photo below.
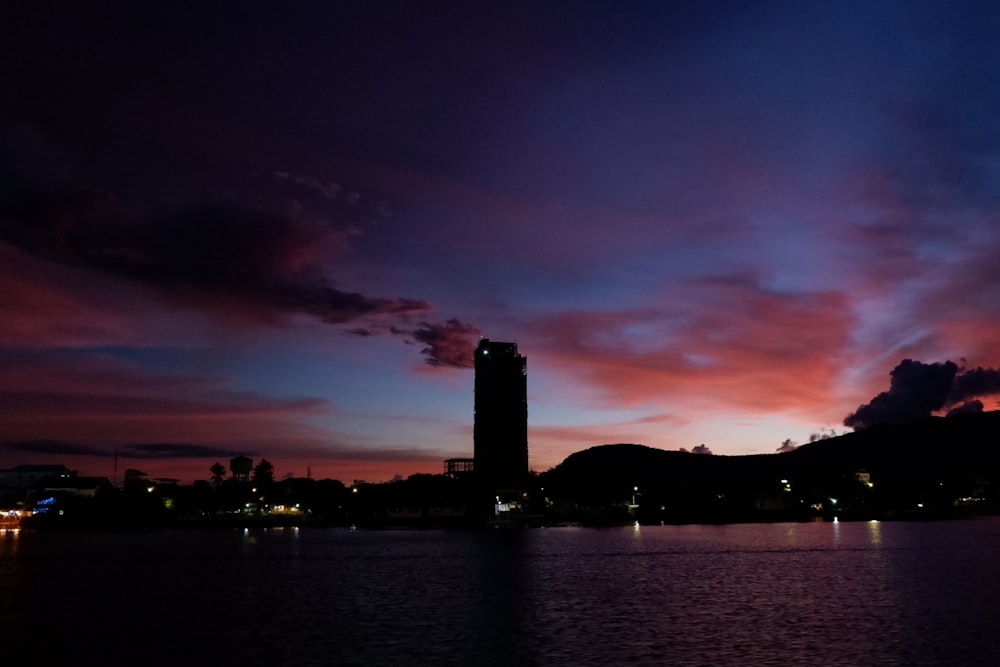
(263, 473)
(787, 445)
(218, 473)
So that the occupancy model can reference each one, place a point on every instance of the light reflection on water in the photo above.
(747, 594)
(875, 533)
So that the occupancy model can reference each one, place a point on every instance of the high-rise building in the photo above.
(501, 418)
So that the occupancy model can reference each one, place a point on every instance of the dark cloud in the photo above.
(975, 382)
(134, 451)
(336, 307)
(916, 390)
(57, 447)
(219, 258)
(701, 449)
(196, 255)
(178, 451)
(969, 407)
(448, 344)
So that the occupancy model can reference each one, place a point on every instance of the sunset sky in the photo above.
(279, 229)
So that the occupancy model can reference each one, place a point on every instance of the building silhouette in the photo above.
(500, 432)
(241, 467)
(458, 467)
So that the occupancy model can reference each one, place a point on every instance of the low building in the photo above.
(28, 476)
(78, 487)
(459, 467)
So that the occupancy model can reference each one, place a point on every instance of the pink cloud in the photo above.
(977, 338)
(589, 434)
(723, 342)
(48, 305)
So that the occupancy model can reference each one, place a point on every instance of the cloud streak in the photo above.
(136, 451)
(56, 447)
(726, 338)
(98, 400)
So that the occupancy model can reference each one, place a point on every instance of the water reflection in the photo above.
(875, 533)
(827, 593)
(9, 541)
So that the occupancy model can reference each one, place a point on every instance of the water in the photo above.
(755, 594)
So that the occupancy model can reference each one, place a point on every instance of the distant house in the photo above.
(28, 476)
(135, 477)
(79, 487)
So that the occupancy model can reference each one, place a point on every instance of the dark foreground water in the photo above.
(762, 594)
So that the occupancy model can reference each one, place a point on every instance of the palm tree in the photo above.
(218, 473)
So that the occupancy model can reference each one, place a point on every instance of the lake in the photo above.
(890, 593)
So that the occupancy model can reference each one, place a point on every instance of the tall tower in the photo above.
(241, 467)
(501, 417)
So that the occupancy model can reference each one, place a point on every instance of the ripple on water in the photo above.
(774, 594)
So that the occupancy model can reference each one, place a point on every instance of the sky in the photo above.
(280, 229)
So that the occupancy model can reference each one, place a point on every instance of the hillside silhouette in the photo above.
(930, 467)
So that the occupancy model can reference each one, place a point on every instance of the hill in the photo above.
(937, 465)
